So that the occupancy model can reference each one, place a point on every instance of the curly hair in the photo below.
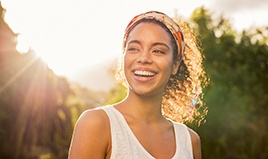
(182, 99)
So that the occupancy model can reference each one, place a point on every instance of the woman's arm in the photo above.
(196, 143)
(91, 137)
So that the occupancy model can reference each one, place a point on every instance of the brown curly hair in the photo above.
(182, 98)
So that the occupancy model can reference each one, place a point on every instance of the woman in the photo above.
(163, 76)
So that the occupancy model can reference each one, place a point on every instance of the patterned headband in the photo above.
(167, 21)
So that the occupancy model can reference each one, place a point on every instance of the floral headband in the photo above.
(167, 21)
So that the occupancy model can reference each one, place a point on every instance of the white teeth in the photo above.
(144, 73)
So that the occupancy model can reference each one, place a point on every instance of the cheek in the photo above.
(166, 64)
(169, 67)
(128, 59)
(125, 61)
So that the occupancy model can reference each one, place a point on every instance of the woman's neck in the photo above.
(144, 108)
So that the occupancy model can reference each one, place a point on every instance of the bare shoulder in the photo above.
(91, 126)
(96, 118)
(196, 144)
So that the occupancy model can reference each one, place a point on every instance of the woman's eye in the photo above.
(159, 51)
(132, 49)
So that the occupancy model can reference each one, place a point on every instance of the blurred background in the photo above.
(57, 58)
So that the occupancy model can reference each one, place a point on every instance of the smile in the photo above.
(144, 73)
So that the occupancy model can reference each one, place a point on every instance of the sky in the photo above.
(71, 35)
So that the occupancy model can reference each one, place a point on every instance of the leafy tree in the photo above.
(34, 113)
(237, 95)
(36, 116)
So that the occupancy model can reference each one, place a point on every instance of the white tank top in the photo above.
(125, 145)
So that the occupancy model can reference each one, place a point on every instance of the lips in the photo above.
(143, 74)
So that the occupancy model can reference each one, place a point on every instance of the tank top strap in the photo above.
(183, 139)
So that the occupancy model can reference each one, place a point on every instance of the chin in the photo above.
(144, 92)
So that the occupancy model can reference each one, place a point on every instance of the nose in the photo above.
(144, 58)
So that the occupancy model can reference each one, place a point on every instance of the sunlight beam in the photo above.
(18, 74)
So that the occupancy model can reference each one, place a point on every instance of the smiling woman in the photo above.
(162, 78)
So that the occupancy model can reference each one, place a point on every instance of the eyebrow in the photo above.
(154, 44)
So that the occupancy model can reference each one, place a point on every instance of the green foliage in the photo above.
(34, 112)
(38, 109)
(237, 97)
(117, 94)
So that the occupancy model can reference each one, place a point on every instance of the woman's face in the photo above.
(148, 59)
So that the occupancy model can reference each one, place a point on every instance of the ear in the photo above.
(175, 67)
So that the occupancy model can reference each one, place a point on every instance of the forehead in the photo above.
(149, 30)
